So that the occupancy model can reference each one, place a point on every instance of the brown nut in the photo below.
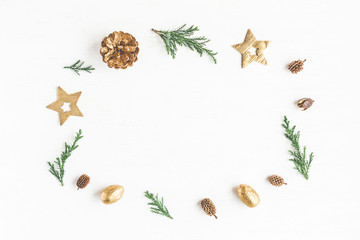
(305, 103)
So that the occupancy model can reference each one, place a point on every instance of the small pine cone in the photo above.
(119, 50)
(277, 180)
(83, 181)
(296, 66)
(209, 207)
(305, 103)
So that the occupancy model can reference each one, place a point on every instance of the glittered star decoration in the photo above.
(62, 98)
(250, 41)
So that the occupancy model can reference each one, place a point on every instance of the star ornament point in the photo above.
(251, 42)
(63, 98)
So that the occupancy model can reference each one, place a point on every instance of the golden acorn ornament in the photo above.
(208, 207)
(119, 50)
(305, 103)
(248, 195)
(296, 66)
(276, 180)
(83, 181)
(112, 194)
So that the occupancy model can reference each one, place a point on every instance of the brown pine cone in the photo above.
(83, 181)
(209, 207)
(305, 103)
(296, 66)
(276, 180)
(119, 50)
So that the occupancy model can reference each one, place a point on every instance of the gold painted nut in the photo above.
(112, 194)
(248, 195)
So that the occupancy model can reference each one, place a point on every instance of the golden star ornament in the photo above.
(251, 42)
(63, 98)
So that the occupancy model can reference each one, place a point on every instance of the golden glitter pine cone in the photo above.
(83, 181)
(208, 207)
(119, 50)
(276, 180)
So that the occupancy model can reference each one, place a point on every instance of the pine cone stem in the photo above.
(155, 31)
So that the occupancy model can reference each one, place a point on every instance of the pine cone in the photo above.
(296, 66)
(209, 207)
(83, 181)
(305, 103)
(277, 180)
(119, 50)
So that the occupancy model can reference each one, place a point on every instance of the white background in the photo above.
(185, 128)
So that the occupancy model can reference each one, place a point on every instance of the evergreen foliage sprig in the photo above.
(59, 171)
(182, 37)
(78, 66)
(299, 156)
(157, 205)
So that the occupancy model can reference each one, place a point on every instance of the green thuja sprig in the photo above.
(157, 205)
(299, 156)
(78, 66)
(59, 171)
(182, 37)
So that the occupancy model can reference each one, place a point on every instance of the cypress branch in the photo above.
(299, 156)
(78, 66)
(59, 171)
(183, 37)
(157, 205)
